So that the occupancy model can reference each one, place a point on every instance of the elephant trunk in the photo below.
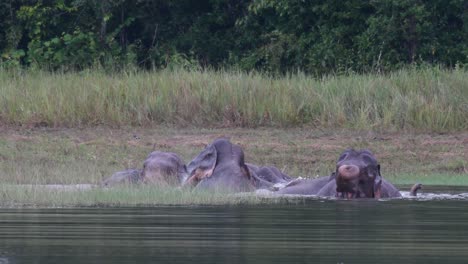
(196, 176)
(414, 190)
(348, 172)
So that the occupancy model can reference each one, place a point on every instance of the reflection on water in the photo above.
(315, 231)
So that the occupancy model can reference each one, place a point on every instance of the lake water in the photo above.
(312, 231)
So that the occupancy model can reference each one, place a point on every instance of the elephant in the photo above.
(306, 186)
(164, 168)
(161, 168)
(130, 176)
(269, 173)
(221, 167)
(357, 175)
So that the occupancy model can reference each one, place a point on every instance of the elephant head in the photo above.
(358, 175)
(220, 166)
(164, 168)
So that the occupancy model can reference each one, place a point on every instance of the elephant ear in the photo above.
(378, 184)
(202, 166)
(257, 181)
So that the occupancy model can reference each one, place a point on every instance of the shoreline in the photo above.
(65, 156)
(36, 197)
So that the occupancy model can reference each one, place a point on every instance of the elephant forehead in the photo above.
(226, 149)
(228, 166)
(161, 164)
(221, 143)
(361, 160)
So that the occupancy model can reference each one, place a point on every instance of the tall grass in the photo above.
(429, 99)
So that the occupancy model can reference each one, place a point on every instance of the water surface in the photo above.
(312, 231)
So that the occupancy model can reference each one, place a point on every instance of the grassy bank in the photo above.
(14, 195)
(87, 155)
(427, 99)
(43, 196)
(72, 156)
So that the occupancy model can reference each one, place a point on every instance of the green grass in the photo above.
(13, 195)
(36, 196)
(428, 99)
(69, 128)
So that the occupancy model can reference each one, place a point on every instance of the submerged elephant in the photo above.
(160, 168)
(306, 186)
(267, 177)
(220, 166)
(164, 168)
(357, 175)
(130, 176)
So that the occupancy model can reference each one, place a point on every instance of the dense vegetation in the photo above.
(324, 36)
(428, 99)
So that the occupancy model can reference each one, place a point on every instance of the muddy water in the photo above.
(313, 231)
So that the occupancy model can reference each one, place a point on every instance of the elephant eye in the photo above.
(367, 158)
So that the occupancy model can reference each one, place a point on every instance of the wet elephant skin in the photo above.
(357, 175)
(159, 168)
(164, 168)
(220, 166)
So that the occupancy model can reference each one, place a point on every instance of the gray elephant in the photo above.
(160, 168)
(164, 168)
(357, 175)
(307, 186)
(221, 167)
(267, 177)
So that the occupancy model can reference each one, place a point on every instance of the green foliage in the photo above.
(12, 58)
(342, 36)
(69, 50)
(277, 36)
(411, 31)
(10, 36)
